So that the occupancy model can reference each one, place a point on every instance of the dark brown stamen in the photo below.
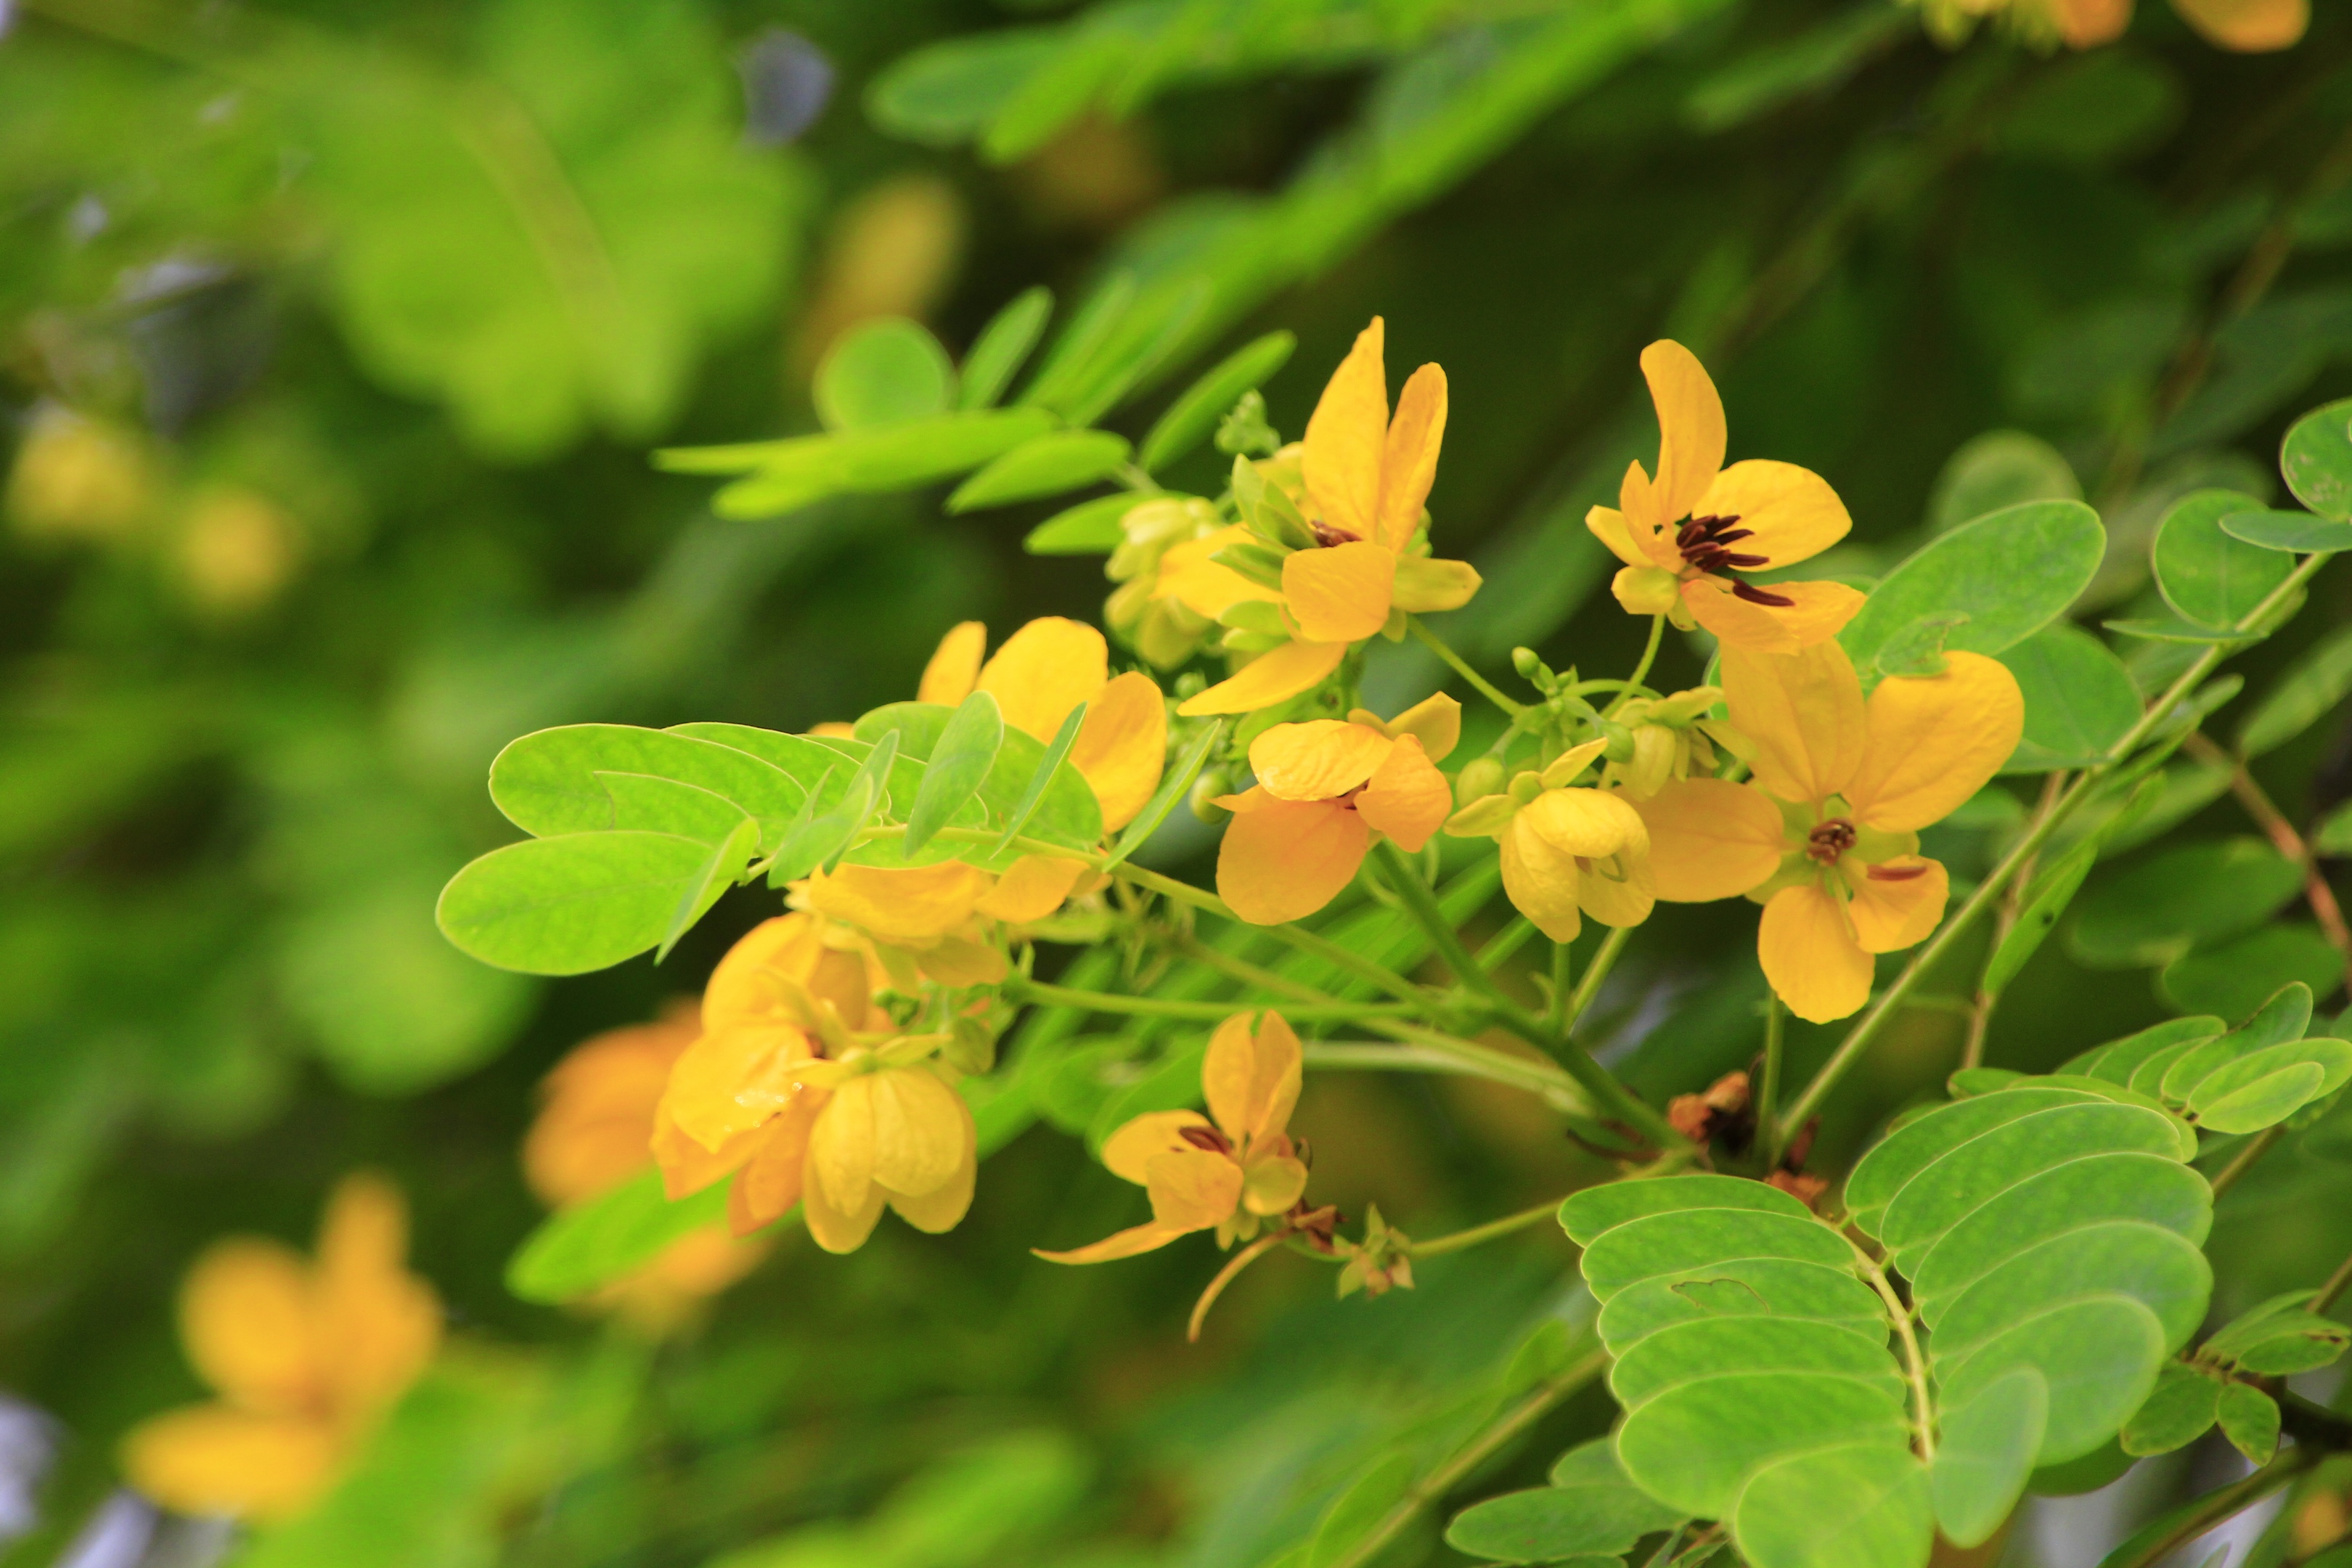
(1897, 873)
(1746, 562)
(1326, 536)
(1755, 595)
(1207, 1138)
(1831, 839)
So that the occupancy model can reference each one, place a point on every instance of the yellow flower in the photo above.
(1568, 850)
(306, 1358)
(1827, 835)
(1365, 477)
(593, 1133)
(797, 1074)
(1750, 517)
(1323, 789)
(1673, 737)
(2247, 26)
(1230, 1172)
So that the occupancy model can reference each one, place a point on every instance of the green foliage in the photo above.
(1589, 1509)
(2316, 459)
(2079, 700)
(1995, 581)
(2195, 895)
(2209, 577)
(607, 1238)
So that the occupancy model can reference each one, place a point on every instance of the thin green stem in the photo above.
(1241, 969)
(1304, 941)
(1505, 943)
(1562, 972)
(2244, 1161)
(1989, 891)
(1487, 1232)
(2328, 1295)
(1767, 1098)
(1540, 1078)
(1019, 988)
(1485, 688)
(1594, 974)
(1421, 903)
(1642, 670)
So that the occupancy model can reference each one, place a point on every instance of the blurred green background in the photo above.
(334, 338)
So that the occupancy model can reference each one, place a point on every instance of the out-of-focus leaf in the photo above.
(1090, 528)
(2079, 700)
(2310, 689)
(2231, 978)
(1355, 1510)
(2316, 459)
(2249, 1418)
(2092, 110)
(2176, 1414)
(2279, 1338)
(573, 903)
(1002, 345)
(883, 372)
(579, 1249)
(1985, 1453)
(1194, 415)
(1997, 469)
(780, 476)
(1043, 465)
(2209, 578)
(1589, 1508)
(2193, 895)
(2297, 532)
(2011, 573)
(1812, 62)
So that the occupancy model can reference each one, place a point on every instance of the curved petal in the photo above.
(249, 1321)
(835, 1229)
(1587, 822)
(1897, 904)
(1804, 713)
(1209, 588)
(954, 665)
(1193, 1189)
(1032, 889)
(2248, 26)
(1691, 434)
(211, 1461)
(899, 903)
(1650, 525)
(1618, 889)
(959, 961)
(1542, 881)
(1711, 838)
(1346, 438)
(1251, 1076)
(1810, 955)
(1272, 1184)
(1934, 740)
(1790, 513)
(1607, 524)
(732, 1080)
(743, 985)
(943, 1207)
(841, 1148)
(1283, 860)
(922, 1130)
(1127, 1243)
(1044, 670)
(1408, 799)
(1127, 1151)
(380, 1324)
(687, 1167)
(1122, 746)
(1815, 612)
(1321, 759)
(1408, 458)
(772, 1180)
(1341, 594)
(1275, 677)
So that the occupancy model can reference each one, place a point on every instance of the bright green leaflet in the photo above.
(2011, 572)
(1194, 414)
(2316, 459)
(997, 353)
(2079, 700)
(2297, 532)
(577, 902)
(884, 371)
(574, 779)
(1043, 465)
(956, 763)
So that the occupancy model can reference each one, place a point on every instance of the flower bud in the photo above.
(1525, 661)
(1211, 783)
(1646, 590)
(1526, 787)
(1479, 778)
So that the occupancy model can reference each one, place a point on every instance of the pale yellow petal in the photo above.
(1790, 513)
(1322, 759)
(1608, 525)
(1341, 594)
(1934, 741)
(1896, 904)
(1804, 712)
(1126, 1152)
(1407, 798)
(1810, 955)
(922, 1130)
(1122, 747)
(1815, 612)
(1346, 438)
(1409, 458)
(379, 1323)
(943, 1207)
(1283, 860)
(899, 903)
(838, 1229)
(1617, 889)
(1044, 670)
(730, 1081)
(1032, 889)
(687, 1167)
(1206, 587)
(1585, 822)
(1275, 677)
(841, 1147)
(1691, 434)
(250, 1322)
(1271, 1186)
(1541, 880)
(1192, 1189)
(1435, 722)
(1711, 838)
(1129, 1243)
(2248, 26)
(954, 665)
(744, 987)
(771, 1181)
(1250, 1074)
(210, 1460)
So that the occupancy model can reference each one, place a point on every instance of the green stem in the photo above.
(1457, 1467)
(1562, 971)
(1642, 670)
(1541, 1078)
(1768, 1089)
(2244, 1161)
(1487, 1232)
(1990, 890)
(1915, 1364)
(1505, 943)
(1305, 941)
(2159, 1542)
(2327, 1294)
(1594, 974)
(1241, 969)
(1461, 668)
(1019, 988)
(1421, 903)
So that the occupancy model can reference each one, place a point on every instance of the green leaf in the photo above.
(948, 92)
(579, 1249)
(2191, 896)
(1083, 336)
(1812, 62)
(2297, 532)
(1355, 1510)
(1999, 469)
(2333, 834)
(645, 804)
(1044, 465)
(2283, 1016)
(2306, 694)
(2316, 459)
(2279, 1338)
(2249, 1420)
(1145, 339)
(1002, 345)
(784, 476)
(2237, 977)
(2264, 1087)
(2099, 1467)
(728, 860)
(1173, 785)
(577, 779)
(2079, 700)
(1589, 1508)
(572, 903)
(2052, 892)
(2011, 572)
(2118, 1060)
(2147, 630)
(1985, 1453)
(1090, 528)
(966, 750)
(1192, 417)
(1017, 821)
(2176, 1414)
(1835, 1508)
(2207, 577)
(886, 371)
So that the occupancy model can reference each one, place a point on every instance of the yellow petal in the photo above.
(743, 985)
(1711, 838)
(1790, 513)
(835, 1229)
(1272, 1185)
(841, 1148)
(1128, 1150)
(899, 903)
(1424, 584)
(1283, 860)
(1690, 427)
(1206, 587)
(1044, 670)
(1127, 1243)
(1322, 759)
(1339, 595)
(2087, 24)
(1122, 746)
(730, 1081)
(2248, 26)
(1586, 822)
(1032, 889)
(1617, 889)
(922, 1130)
(1435, 722)
(772, 1180)
(687, 1167)
(379, 1323)
(210, 1460)
(1277, 677)
(1934, 741)
(1650, 526)
(1251, 1076)
(1896, 904)
(590, 1135)
(1810, 955)
(959, 961)
(1408, 799)
(1347, 439)
(248, 1319)
(1408, 458)
(1608, 525)
(1815, 613)
(1193, 1189)
(954, 665)
(1804, 712)
(1542, 881)
(943, 1207)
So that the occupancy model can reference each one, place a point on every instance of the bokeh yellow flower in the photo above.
(1826, 836)
(306, 1356)
(1750, 517)
(2245, 27)
(1231, 1172)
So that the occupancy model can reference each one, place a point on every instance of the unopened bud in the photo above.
(1526, 787)
(1619, 739)
(1211, 783)
(1478, 779)
(1525, 661)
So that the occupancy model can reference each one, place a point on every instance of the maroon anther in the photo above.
(1897, 873)
(1755, 595)
(1830, 840)
(1705, 543)
(1207, 1138)
(1326, 536)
